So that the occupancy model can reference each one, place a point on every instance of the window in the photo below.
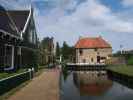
(98, 59)
(2, 52)
(95, 49)
(80, 51)
(103, 58)
(84, 60)
(92, 59)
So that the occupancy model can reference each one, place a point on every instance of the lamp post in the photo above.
(121, 47)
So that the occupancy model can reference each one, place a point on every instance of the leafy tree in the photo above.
(57, 50)
(65, 50)
(68, 52)
(46, 51)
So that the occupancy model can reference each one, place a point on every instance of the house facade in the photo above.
(18, 38)
(92, 50)
(47, 51)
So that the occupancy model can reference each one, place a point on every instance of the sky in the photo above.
(67, 20)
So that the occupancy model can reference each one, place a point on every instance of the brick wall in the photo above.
(90, 55)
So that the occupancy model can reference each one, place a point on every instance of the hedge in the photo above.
(11, 82)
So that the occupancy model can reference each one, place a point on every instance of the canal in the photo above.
(92, 85)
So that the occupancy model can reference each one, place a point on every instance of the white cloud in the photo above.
(89, 19)
(16, 4)
(127, 3)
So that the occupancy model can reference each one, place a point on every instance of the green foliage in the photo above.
(68, 52)
(12, 82)
(65, 50)
(46, 47)
(30, 58)
(127, 56)
(58, 50)
(122, 69)
(5, 74)
(130, 60)
(35, 59)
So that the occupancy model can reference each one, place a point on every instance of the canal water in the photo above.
(92, 85)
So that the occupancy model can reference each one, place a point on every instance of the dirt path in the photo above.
(43, 87)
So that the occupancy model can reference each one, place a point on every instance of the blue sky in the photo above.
(66, 20)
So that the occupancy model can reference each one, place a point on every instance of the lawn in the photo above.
(123, 69)
(4, 74)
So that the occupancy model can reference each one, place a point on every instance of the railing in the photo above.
(5, 62)
(89, 64)
(11, 82)
(85, 66)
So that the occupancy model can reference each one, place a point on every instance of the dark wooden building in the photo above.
(18, 39)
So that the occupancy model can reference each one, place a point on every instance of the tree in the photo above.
(57, 50)
(65, 51)
(46, 51)
(68, 52)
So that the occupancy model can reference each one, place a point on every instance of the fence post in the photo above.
(32, 72)
(29, 72)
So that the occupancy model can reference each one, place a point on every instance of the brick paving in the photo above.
(43, 87)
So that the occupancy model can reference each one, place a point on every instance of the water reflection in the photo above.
(93, 83)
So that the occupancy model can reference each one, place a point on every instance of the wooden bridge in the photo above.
(85, 66)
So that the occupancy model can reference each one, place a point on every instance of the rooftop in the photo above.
(13, 21)
(92, 42)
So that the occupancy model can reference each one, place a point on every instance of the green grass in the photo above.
(42, 67)
(130, 60)
(122, 69)
(14, 90)
(4, 74)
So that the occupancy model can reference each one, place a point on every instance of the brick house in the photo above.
(92, 50)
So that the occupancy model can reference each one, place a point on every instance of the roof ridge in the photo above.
(92, 42)
(90, 37)
(28, 9)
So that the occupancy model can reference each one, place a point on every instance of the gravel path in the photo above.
(43, 87)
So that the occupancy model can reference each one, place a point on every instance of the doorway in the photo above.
(98, 59)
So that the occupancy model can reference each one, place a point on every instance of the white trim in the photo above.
(12, 59)
(3, 31)
(8, 45)
(13, 76)
(12, 21)
(12, 64)
(98, 64)
(26, 25)
(27, 48)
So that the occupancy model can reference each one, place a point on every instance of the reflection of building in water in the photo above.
(92, 82)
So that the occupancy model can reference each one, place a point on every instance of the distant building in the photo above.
(92, 50)
(18, 38)
(47, 51)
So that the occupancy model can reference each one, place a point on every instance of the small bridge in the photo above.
(85, 66)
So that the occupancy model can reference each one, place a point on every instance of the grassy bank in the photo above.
(5, 74)
(14, 90)
(122, 69)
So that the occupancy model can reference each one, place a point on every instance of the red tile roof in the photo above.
(96, 42)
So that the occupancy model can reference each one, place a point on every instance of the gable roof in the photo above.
(6, 24)
(90, 42)
(13, 22)
(19, 17)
